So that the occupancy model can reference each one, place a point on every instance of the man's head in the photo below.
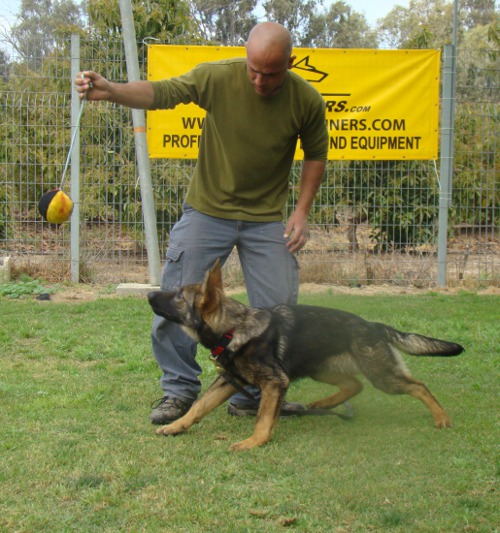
(269, 56)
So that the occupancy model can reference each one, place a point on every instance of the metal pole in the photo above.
(75, 163)
(446, 149)
(139, 121)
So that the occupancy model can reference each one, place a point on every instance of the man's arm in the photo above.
(94, 87)
(297, 229)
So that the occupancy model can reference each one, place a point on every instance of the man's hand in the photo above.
(297, 229)
(297, 232)
(92, 86)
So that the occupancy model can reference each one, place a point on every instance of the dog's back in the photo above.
(314, 335)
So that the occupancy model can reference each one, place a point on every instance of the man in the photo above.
(256, 109)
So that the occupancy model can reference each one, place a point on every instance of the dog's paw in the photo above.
(246, 444)
(443, 423)
(170, 429)
(240, 446)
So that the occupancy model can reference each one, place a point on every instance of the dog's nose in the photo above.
(152, 296)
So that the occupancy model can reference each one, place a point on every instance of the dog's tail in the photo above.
(415, 344)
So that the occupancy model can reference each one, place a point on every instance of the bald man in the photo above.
(256, 111)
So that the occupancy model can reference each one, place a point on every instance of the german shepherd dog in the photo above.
(269, 348)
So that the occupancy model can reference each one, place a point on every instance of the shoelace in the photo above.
(164, 399)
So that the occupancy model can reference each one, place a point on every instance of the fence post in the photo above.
(75, 163)
(139, 121)
(446, 159)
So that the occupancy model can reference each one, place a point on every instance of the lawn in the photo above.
(77, 451)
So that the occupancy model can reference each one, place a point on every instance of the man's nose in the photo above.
(259, 79)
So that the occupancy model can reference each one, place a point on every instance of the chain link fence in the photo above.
(372, 222)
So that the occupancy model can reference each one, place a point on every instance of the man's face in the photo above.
(267, 72)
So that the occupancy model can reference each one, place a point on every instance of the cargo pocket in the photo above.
(172, 272)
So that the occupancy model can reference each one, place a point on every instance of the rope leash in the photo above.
(73, 137)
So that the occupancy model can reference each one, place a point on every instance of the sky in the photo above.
(8, 10)
(372, 9)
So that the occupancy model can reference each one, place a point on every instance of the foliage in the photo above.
(38, 99)
(477, 69)
(109, 195)
(476, 161)
(229, 22)
(224, 22)
(23, 288)
(57, 19)
(4, 211)
(4, 66)
(339, 27)
(293, 14)
(37, 88)
(165, 20)
(494, 34)
(79, 453)
(477, 13)
(429, 23)
(399, 200)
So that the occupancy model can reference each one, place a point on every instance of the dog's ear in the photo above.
(212, 288)
(215, 275)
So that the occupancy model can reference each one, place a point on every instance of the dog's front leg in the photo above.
(272, 396)
(216, 394)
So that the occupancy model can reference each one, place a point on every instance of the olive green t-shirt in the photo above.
(248, 141)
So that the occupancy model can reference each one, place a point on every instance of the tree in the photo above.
(165, 20)
(429, 23)
(295, 15)
(42, 27)
(477, 13)
(226, 22)
(424, 24)
(397, 199)
(4, 66)
(339, 27)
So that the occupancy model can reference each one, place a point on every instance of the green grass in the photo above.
(77, 451)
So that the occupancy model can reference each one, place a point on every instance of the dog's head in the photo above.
(191, 305)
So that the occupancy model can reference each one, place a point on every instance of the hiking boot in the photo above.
(287, 409)
(168, 409)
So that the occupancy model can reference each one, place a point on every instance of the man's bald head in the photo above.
(269, 56)
(272, 37)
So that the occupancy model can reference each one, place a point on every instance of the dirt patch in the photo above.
(81, 293)
(369, 290)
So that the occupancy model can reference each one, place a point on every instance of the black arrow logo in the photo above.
(314, 75)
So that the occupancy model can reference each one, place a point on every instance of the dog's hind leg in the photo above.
(216, 394)
(419, 390)
(349, 386)
(390, 375)
(406, 384)
(272, 396)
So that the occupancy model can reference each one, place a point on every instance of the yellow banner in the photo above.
(380, 104)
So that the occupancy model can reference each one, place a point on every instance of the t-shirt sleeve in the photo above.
(314, 135)
(185, 89)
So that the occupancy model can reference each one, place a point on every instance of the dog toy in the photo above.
(56, 206)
